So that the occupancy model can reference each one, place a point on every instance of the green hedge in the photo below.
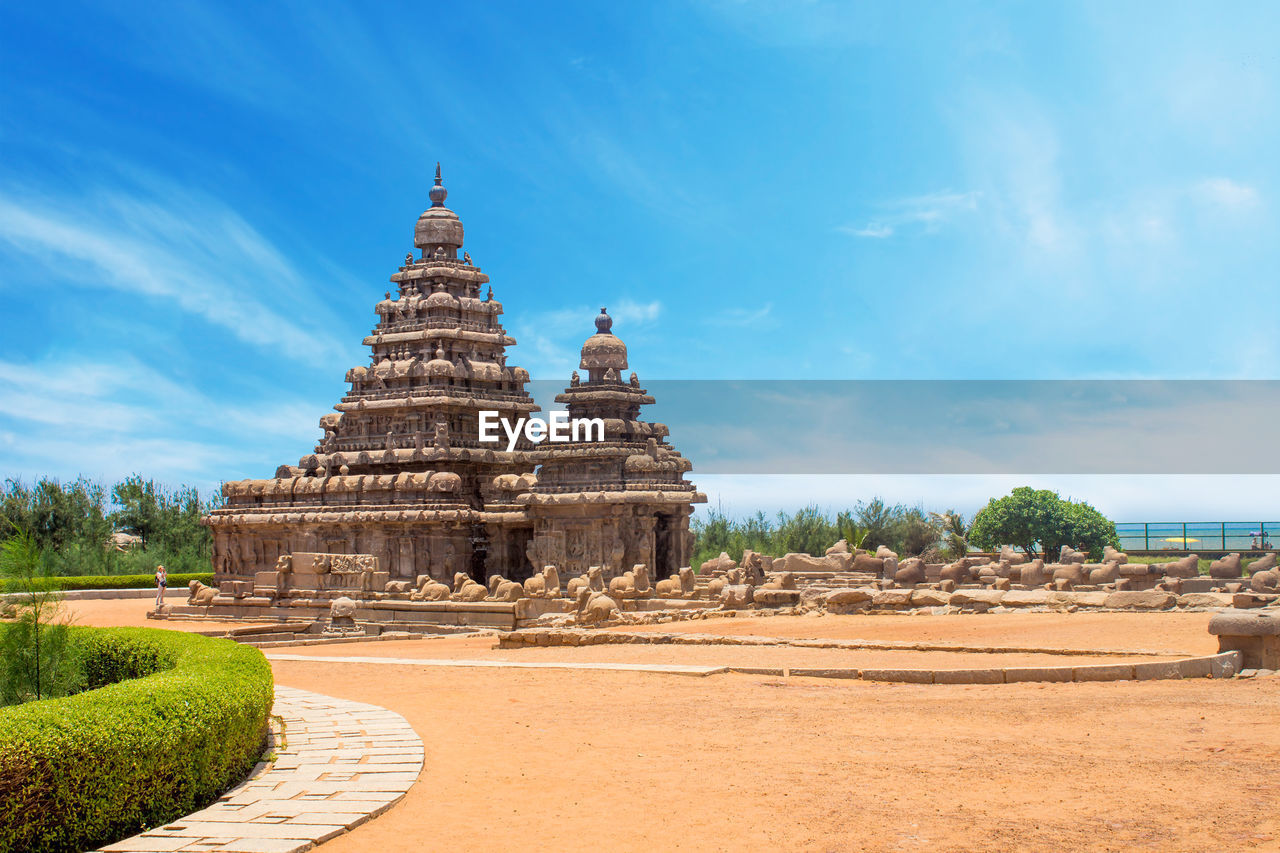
(86, 770)
(71, 582)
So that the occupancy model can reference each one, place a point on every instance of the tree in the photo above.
(878, 520)
(36, 652)
(955, 533)
(1038, 521)
(139, 511)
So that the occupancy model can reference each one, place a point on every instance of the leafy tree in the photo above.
(955, 533)
(916, 532)
(1038, 521)
(850, 530)
(878, 520)
(139, 510)
(806, 532)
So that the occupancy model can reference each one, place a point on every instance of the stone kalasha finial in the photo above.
(604, 323)
(438, 192)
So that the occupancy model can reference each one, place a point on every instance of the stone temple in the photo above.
(401, 476)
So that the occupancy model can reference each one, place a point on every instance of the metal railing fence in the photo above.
(1187, 536)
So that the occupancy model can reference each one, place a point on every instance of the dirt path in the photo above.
(554, 760)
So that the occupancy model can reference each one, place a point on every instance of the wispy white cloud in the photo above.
(742, 317)
(1228, 194)
(548, 341)
(925, 213)
(194, 253)
(110, 418)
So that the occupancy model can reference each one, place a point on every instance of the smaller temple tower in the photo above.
(616, 502)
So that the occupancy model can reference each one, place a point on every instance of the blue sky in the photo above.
(201, 203)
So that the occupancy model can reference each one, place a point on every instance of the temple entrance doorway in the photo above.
(663, 558)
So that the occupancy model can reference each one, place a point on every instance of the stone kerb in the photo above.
(342, 764)
(1225, 664)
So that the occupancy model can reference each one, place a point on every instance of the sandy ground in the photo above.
(118, 612)
(754, 656)
(581, 760)
(1181, 632)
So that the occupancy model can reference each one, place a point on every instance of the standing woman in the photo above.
(162, 581)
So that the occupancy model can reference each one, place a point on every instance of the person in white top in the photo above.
(162, 581)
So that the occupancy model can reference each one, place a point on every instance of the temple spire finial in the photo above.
(438, 192)
(604, 323)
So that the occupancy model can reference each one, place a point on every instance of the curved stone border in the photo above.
(585, 637)
(342, 764)
(1223, 665)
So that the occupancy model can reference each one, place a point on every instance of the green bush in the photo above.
(74, 582)
(1040, 523)
(80, 772)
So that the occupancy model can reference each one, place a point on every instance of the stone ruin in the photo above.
(400, 497)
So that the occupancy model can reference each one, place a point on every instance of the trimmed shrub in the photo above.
(72, 582)
(83, 771)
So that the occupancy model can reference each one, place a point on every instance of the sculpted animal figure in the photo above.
(910, 572)
(1111, 555)
(1071, 574)
(1227, 567)
(721, 563)
(632, 584)
(429, 589)
(1101, 573)
(783, 580)
(501, 589)
(680, 585)
(544, 585)
(957, 572)
(200, 594)
(1267, 580)
(594, 607)
(466, 589)
(1263, 564)
(1187, 567)
(1031, 574)
(1070, 555)
(1012, 557)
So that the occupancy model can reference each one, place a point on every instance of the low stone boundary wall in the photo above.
(1222, 665)
(585, 637)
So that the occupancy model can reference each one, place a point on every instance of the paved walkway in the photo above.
(343, 763)
(669, 668)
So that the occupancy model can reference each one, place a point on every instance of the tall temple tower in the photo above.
(400, 472)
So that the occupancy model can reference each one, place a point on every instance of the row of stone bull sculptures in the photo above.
(1008, 567)
(595, 600)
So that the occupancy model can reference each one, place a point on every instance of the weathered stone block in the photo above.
(968, 676)
(979, 597)
(1103, 672)
(1025, 598)
(1015, 674)
(892, 598)
(1204, 599)
(1157, 670)
(1149, 599)
(905, 676)
(929, 598)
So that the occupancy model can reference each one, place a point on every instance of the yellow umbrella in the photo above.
(1180, 539)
